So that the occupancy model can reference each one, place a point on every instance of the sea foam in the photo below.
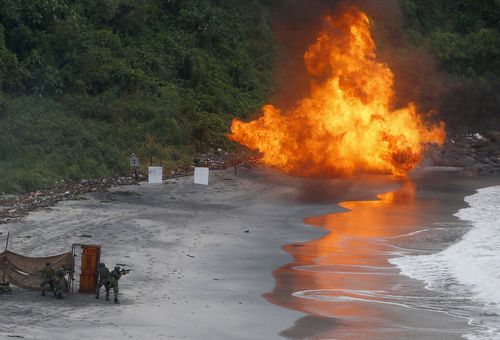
(472, 265)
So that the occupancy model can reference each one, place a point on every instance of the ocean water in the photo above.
(419, 262)
(464, 278)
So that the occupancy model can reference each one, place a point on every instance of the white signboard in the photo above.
(155, 174)
(134, 161)
(201, 175)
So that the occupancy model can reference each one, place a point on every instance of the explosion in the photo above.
(348, 123)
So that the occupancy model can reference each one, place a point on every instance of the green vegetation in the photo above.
(83, 83)
(464, 37)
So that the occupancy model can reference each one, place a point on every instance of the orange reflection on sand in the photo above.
(352, 256)
(364, 221)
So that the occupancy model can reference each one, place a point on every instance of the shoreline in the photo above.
(202, 257)
(474, 154)
(317, 279)
(459, 268)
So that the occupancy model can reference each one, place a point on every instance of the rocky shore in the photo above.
(476, 153)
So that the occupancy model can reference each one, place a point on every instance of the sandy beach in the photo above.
(208, 263)
(201, 257)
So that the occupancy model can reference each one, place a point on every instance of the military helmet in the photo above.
(117, 268)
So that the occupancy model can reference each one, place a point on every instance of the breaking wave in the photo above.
(470, 267)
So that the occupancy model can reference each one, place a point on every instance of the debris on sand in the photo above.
(15, 207)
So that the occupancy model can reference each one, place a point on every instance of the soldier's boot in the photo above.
(43, 292)
(116, 300)
(59, 296)
(97, 296)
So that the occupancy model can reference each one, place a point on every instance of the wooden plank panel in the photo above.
(88, 276)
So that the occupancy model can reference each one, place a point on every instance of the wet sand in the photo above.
(343, 281)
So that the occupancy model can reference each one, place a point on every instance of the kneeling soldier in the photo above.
(47, 273)
(60, 283)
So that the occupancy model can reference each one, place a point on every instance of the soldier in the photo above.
(103, 274)
(114, 276)
(60, 283)
(47, 273)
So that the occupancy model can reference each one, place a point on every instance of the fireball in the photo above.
(348, 123)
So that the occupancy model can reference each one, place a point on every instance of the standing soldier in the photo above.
(47, 273)
(114, 276)
(103, 274)
(60, 283)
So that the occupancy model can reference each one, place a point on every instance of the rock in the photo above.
(465, 161)
(5, 288)
(493, 135)
(470, 171)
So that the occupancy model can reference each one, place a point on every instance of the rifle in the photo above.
(125, 271)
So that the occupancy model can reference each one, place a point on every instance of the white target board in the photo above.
(201, 175)
(155, 174)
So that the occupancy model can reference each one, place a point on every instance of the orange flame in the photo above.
(348, 123)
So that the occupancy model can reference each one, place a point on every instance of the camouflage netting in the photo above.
(24, 272)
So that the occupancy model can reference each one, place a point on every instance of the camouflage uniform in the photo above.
(47, 274)
(60, 282)
(103, 273)
(114, 276)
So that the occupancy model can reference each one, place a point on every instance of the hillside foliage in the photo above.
(83, 83)
(464, 38)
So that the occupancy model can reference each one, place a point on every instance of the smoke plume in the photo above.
(296, 23)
